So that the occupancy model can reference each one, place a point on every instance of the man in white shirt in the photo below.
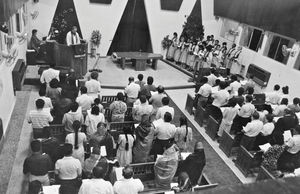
(221, 97)
(165, 108)
(294, 142)
(39, 118)
(142, 109)
(49, 74)
(132, 90)
(212, 78)
(275, 96)
(156, 99)
(47, 100)
(128, 184)
(84, 101)
(204, 92)
(253, 128)
(72, 37)
(234, 86)
(96, 185)
(68, 168)
(93, 86)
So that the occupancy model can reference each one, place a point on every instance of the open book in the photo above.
(265, 147)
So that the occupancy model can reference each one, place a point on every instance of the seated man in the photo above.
(194, 161)
(275, 96)
(38, 164)
(97, 184)
(68, 169)
(128, 184)
(39, 118)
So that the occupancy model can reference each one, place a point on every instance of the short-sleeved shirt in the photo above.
(220, 98)
(253, 128)
(48, 75)
(96, 186)
(69, 118)
(40, 118)
(37, 164)
(85, 102)
(234, 86)
(92, 121)
(68, 168)
(165, 131)
(268, 129)
(132, 90)
(205, 90)
(93, 86)
(126, 186)
(156, 100)
(118, 108)
(246, 110)
(162, 110)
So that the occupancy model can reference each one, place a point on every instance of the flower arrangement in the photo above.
(96, 38)
(166, 42)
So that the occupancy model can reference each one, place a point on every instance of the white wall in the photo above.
(211, 25)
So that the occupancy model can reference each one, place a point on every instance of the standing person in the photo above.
(228, 58)
(39, 118)
(142, 109)
(165, 108)
(84, 101)
(96, 185)
(132, 91)
(73, 37)
(295, 106)
(204, 92)
(70, 88)
(49, 74)
(234, 86)
(61, 107)
(54, 91)
(93, 85)
(148, 88)
(191, 57)
(124, 145)
(156, 99)
(184, 53)
(184, 135)
(118, 109)
(144, 137)
(70, 117)
(178, 51)
(172, 48)
(92, 119)
(37, 165)
(77, 139)
(47, 100)
(140, 80)
(128, 184)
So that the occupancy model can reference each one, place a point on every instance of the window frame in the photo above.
(259, 44)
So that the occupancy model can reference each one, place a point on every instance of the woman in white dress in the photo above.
(184, 135)
(178, 50)
(78, 140)
(124, 147)
(172, 48)
(92, 119)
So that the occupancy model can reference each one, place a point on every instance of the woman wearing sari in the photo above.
(165, 166)
(178, 50)
(184, 53)
(172, 48)
(191, 57)
(144, 138)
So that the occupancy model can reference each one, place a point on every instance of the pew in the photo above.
(108, 99)
(189, 104)
(205, 183)
(57, 131)
(226, 143)
(200, 115)
(246, 160)
(116, 128)
(263, 174)
(248, 142)
(212, 127)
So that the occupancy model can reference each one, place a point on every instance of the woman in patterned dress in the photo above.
(172, 48)
(178, 50)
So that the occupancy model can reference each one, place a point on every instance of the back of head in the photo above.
(127, 172)
(131, 79)
(212, 71)
(74, 106)
(165, 101)
(98, 172)
(39, 103)
(42, 91)
(167, 117)
(140, 77)
(97, 101)
(83, 90)
(217, 82)
(182, 121)
(250, 90)
(54, 83)
(120, 96)
(150, 80)
(198, 146)
(68, 149)
(249, 98)
(76, 125)
(232, 102)
(34, 31)
(222, 85)
(255, 115)
(284, 101)
(276, 87)
(95, 110)
(204, 80)
(285, 90)
(269, 118)
(233, 78)
(241, 91)
(34, 187)
(35, 146)
(296, 100)
(143, 99)
(94, 75)
(160, 89)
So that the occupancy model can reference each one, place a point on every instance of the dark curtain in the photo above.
(171, 5)
(8, 8)
(133, 32)
(279, 16)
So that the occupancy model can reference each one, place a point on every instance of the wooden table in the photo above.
(139, 59)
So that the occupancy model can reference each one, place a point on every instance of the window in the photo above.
(275, 48)
(18, 22)
(252, 38)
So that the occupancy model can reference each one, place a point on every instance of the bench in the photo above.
(57, 131)
(248, 142)
(200, 116)
(226, 143)
(108, 99)
(205, 183)
(116, 128)
(212, 127)
(264, 174)
(189, 104)
(246, 160)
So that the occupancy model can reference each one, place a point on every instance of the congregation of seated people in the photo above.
(86, 160)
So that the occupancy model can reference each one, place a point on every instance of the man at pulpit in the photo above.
(72, 37)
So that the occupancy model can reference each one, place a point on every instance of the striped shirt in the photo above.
(39, 118)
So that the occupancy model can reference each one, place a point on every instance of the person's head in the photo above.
(233, 45)
(95, 110)
(39, 103)
(160, 89)
(34, 32)
(74, 106)
(101, 127)
(165, 101)
(140, 77)
(241, 91)
(204, 80)
(74, 29)
(35, 187)
(150, 80)
(131, 79)
(175, 34)
(287, 111)
(97, 101)
(208, 38)
(249, 98)
(250, 90)
(83, 90)
(68, 149)
(143, 99)
(182, 39)
(98, 172)
(94, 75)
(35, 146)
(276, 87)
(233, 78)
(296, 101)
(96, 150)
(269, 118)
(71, 81)
(285, 90)
(182, 121)
(255, 115)
(224, 44)
(127, 172)
(198, 146)
(54, 83)
(167, 117)
(42, 92)
(284, 101)
(76, 125)
(120, 96)
(251, 76)
(217, 83)
(222, 85)
(232, 102)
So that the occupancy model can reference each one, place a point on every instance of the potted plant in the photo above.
(95, 41)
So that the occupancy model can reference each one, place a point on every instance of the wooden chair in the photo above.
(200, 115)
(116, 128)
(212, 127)
(57, 131)
(246, 160)
(264, 174)
(189, 104)
(226, 143)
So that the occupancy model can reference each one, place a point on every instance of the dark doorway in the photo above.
(133, 32)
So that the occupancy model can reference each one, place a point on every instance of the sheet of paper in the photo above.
(158, 156)
(103, 151)
(184, 155)
(54, 189)
(136, 125)
(287, 135)
(265, 147)
(119, 175)
(174, 185)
